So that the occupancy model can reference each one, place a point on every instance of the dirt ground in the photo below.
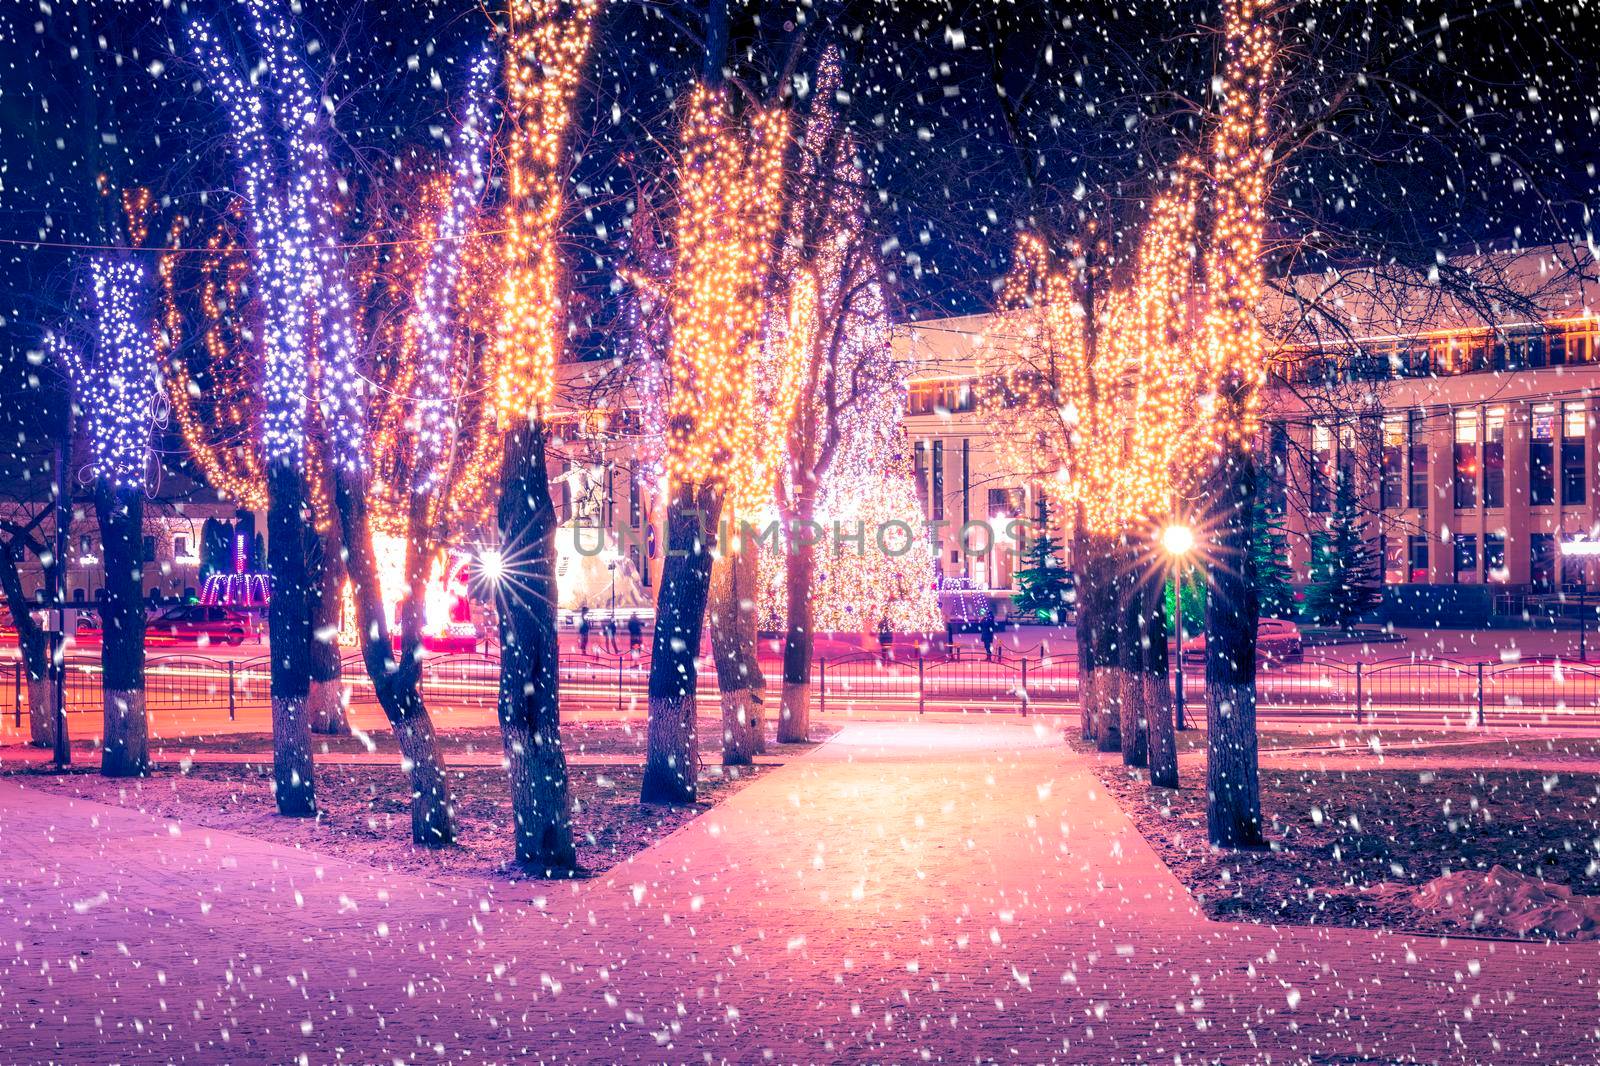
(1333, 831)
(365, 811)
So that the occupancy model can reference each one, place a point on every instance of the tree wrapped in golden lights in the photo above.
(1058, 391)
(729, 185)
(547, 47)
(1090, 375)
(1233, 361)
(213, 389)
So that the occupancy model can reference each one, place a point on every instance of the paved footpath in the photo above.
(905, 893)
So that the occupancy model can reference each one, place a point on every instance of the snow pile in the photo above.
(1512, 901)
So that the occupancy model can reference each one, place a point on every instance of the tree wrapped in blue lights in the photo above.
(278, 137)
(110, 357)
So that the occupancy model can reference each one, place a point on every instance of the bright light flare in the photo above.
(1178, 540)
(491, 565)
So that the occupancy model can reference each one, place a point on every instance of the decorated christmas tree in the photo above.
(1044, 587)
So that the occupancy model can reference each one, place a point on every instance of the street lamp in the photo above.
(1583, 551)
(1178, 542)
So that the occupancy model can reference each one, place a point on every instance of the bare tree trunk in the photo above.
(125, 747)
(33, 646)
(1233, 812)
(396, 683)
(1131, 638)
(800, 569)
(530, 660)
(672, 757)
(289, 625)
(325, 702)
(731, 614)
(1083, 555)
(1158, 691)
(1103, 690)
(41, 712)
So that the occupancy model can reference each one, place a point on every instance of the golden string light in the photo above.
(1233, 356)
(222, 446)
(547, 45)
(730, 175)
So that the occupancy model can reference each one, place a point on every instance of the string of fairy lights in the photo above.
(730, 173)
(114, 373)
(280, 220)
(547, 45)
(1108, 400)
(432, 320)
(833, 329)
(1233, 351)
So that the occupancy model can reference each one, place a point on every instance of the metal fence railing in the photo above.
(1394, 691)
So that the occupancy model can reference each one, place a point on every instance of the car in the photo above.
(198, 624)
(1277, 641)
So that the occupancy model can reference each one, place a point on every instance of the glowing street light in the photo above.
(1178, 541)
(491, 565)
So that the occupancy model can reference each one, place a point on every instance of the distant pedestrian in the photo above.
(583, 630)
(886, 639)
(986, 634)
(635, 635)
(608, 629)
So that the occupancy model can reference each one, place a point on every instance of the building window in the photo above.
(1321, 466)
(1541, 455)
(1542, 561)
(1417, 492)
(149, 546)
(966, 480)
(1494, 457)
(1417, 558)
(938, 480)
(919, 472)
(635, 502)
(1574, 426)
(1277, 494)
(1005, 503)
(1394, 459)
(1494, 556)
(1466, 551)
(1466, 460)
(180, 546)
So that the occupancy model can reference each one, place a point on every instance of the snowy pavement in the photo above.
(905, 892)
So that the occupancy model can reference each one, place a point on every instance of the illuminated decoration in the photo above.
(596, 579)
(447, 623)
(432, 320)
(647, 339)
(547, 44)
(220, 422)
(1234, 358)
(278, 195)
(851, 385)
(1108, 418)
(241, 588)
(729, 207)
(114, 376)
(432, 440)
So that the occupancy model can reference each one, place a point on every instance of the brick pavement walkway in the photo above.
(905, 893)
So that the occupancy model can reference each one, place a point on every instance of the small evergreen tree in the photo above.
(1044, 586)
(1194, 601)
(1270, 547)
(216, 548)
(1344, 568)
